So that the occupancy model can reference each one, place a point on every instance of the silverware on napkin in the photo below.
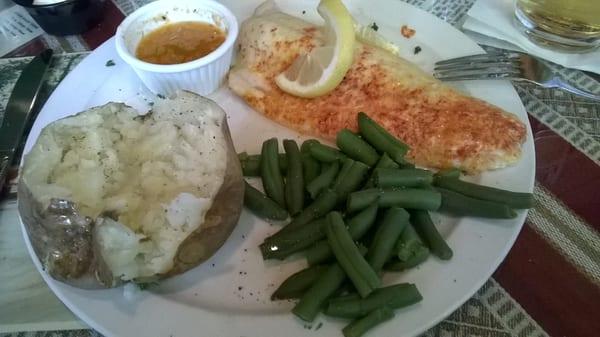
(511, 65)
(19, 112)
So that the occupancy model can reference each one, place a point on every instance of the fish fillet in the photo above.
(443, 127)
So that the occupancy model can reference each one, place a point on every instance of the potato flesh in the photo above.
(155, 176)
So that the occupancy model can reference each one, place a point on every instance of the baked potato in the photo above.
(110, 196)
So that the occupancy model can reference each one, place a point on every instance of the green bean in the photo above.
(516, 200)
(325, 153)
(310, 229)
(324, 180)
(427, 231)
(356, 148)
(313, 299)
(360, 326)
(348, 296)
(346, 289)
(262, 205)
(305, 147)
(459, 204)
(419, 257)
(384, 162)
(405, 198)
(319, 253)
(410, 244)
(281, 245)
(402, 177)
(361, 199)
(295, 285)
(382, 140)
(407, 165)
(453, 173)
(251, 164)
(411, 198)
(310, 166)
(243, 156)
(269, 171)
(324, 203)
(350, 179)
(348, 256)
(395, 296)
(250, 167)
(403, 163)
(346, 166)
(393, 223)
(294, 183)
(358, 225)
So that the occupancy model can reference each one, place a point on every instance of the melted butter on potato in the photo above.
(148, 181)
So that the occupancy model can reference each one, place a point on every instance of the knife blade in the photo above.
(20, 109)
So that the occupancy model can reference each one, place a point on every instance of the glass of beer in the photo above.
(565, 25)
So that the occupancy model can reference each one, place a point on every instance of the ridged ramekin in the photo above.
(203, 75)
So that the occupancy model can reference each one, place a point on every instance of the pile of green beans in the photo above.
(355, 213)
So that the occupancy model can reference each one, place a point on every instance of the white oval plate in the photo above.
(229, 294)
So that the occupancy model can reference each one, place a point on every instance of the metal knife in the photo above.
(19, 110)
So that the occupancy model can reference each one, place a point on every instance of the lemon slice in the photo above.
(369, 36)
(320, 71)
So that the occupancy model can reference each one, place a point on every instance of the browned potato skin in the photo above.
(220, 219)
(66, 255)
(69, 253)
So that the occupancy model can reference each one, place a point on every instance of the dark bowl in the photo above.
(67, 17)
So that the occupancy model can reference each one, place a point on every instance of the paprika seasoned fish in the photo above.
(443, 127)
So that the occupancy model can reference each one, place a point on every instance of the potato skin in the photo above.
(61, 238)
(65, 242)
(220, 219)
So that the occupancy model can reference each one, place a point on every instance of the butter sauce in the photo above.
(179, 42)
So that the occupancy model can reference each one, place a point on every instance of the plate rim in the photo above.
(54, 285)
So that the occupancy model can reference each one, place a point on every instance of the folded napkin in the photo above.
(46, 2)
(490, 22)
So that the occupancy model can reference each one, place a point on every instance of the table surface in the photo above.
(549, 284)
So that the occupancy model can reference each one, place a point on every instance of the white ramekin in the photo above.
(201, 76)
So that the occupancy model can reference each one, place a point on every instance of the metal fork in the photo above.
(504, 65)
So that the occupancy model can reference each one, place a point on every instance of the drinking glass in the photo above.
(566, 25)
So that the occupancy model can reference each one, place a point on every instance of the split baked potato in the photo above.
(109, 196)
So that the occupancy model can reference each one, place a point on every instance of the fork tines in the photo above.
(481, 66)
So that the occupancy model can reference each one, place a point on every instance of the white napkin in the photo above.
(46, 2)
(491, 21)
